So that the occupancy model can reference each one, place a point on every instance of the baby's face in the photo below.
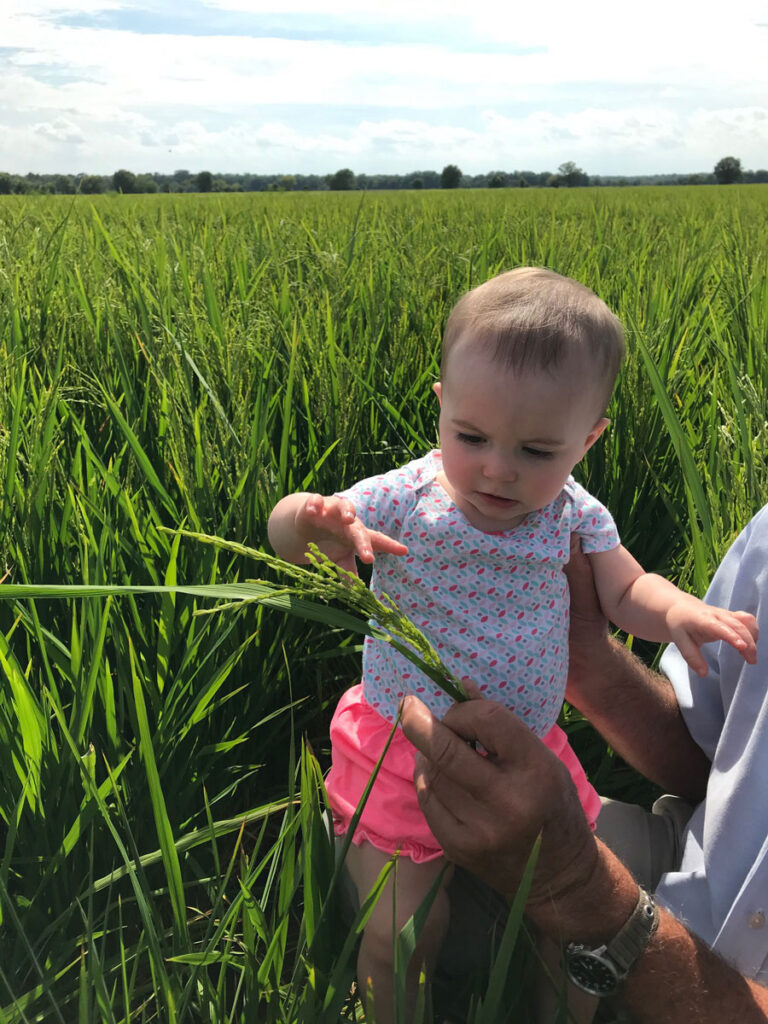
(509, 440)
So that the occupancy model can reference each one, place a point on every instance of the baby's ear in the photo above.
(437, 387)
(595, 432)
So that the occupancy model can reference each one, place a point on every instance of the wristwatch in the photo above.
(599, 970)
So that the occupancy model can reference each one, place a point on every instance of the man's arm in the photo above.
(634, 709)
(487, 811)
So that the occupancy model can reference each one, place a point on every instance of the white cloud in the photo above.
(46, 8)
(60, 130)
(396, 11)
(631, 140)
(607, 82)
(741, 132)
(592, 127)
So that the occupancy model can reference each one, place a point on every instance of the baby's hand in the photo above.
(692, 623)
(332, 523)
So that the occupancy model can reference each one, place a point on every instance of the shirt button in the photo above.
(757, 920)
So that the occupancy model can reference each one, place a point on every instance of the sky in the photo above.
(382, 86)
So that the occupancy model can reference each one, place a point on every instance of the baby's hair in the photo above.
(535, 319)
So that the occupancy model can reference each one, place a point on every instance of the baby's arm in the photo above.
(648, 606)
(332, 524)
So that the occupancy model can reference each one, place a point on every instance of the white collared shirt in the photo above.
(721, 889)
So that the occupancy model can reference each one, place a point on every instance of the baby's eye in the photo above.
(470, 438)
(537, 453)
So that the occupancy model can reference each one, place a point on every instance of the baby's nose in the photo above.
(500, 468)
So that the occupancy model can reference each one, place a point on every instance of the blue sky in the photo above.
(386, 85)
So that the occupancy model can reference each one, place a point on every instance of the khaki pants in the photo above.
(649, 843)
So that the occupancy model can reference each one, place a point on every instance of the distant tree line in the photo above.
(568, 175)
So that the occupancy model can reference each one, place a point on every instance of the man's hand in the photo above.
(486, 811)
(589, 637)
(692, 623)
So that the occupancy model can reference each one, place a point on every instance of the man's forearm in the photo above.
(680, 979)
(636, 712)
(677, 979)
(488, 812)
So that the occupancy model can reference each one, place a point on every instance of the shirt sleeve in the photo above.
(381, 501)
(740, 583)
(591, 520)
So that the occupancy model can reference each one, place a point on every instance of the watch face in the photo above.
(592, 972)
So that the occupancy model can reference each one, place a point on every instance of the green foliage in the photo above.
(450, 176)
(571, 176)
(91, 184)
(728, 170)
(204, 181)
(342, 181)
(184, 181)
(124, 181)
(171, 361)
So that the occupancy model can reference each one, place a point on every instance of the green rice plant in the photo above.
(179, 362)
(320, 998)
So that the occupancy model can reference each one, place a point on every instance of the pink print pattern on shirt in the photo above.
(494, 605)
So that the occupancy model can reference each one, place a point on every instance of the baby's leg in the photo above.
(375, 958)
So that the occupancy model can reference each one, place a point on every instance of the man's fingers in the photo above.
(486, 811)
(447, 750)
(443, 815)
(426, 733)
(472, 690)
(502, 734)
(450, 793)
(448, 745)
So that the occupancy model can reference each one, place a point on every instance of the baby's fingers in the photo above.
(332, 523)
(330, 514)
(385, 544)
(750, 623)
(742, 633)
(739, 629)
(690, 651)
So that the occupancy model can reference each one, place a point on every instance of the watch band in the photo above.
(599, 970)
(630, 942)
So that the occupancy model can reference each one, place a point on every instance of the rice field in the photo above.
(179, 363)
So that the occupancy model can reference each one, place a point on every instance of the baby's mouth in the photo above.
(497, 499)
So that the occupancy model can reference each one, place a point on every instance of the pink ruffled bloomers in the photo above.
(392, 819)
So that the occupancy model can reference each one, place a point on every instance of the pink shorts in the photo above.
(392, 819)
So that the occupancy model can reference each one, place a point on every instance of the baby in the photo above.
(470, 541)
